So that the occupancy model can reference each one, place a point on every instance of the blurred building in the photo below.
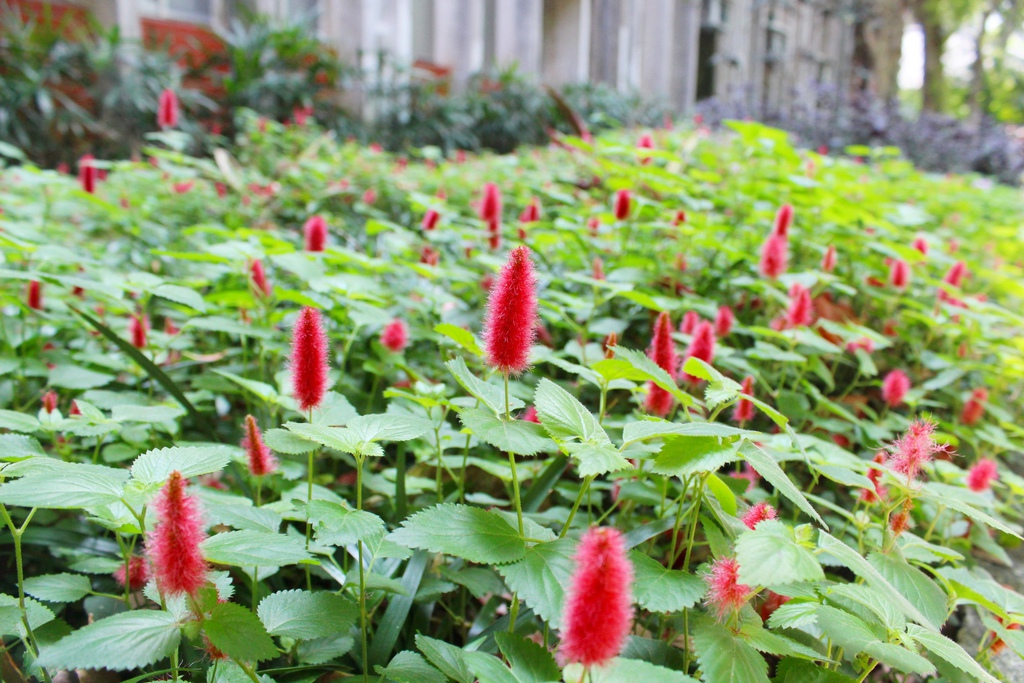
(772, 51)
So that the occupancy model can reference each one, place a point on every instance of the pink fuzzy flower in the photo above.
(593, 225)
(914, 449)
(87, 173)
(744, 411)
(981, 476)
(724, 321)
(173, 545)
(895, 387)
(800, 308)
(598, 606)
(679, 218)
(828, 261)
(774, 256)
(138, 326)
(258, 278)
(430, 256)
(395, 336)
(34, 298)
(702, 346)
(49, 401)
(370, 197)
(430, 220)
(783, 219)
(689, 323)
(315, 230)
(511, 322)
(757, 514)
(598, 268)
(974, 409)
(663, 352)
(899, 274)
(725, 593)
(956, 274)
(921, 244)
(167, 109)
(137, 575)
(646, 142)
(309, 359)
(865, 343)
(530, 415)
(879, 491)
(490, 203)
(261, 459)
(530, 212)
(623, 204)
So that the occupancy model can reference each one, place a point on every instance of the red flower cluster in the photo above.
(511, 322)
(974, 409)
(663, 353)
(914, 449)
(981, 476)
(309, 359)
(258, 278)
(315, 231)
(137, 575)
(395, 336)
(895, 387)
(173, 545)
(702, 346)
(725, 593)
(757, 514)
(261, 460)
(744, 411)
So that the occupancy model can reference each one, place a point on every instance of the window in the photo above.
(200, 11)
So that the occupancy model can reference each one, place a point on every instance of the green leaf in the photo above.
(659, 589)
(684, 456)
(720, 389)
(488, 668)
(921, 591)
(491, 395)
(283, 441)
(945, 649)
(790, 670)
(721, 491)
(777, 644)
(448, 658)
(128, 640)
(564, 417)
(64, 486)
(725, 658)
(145, 414)
(304, 615)
(540, 578)
(58, 587)
(463, 531)
(621, 670)
(770, 470)
(530, 662)
(460, 336)
(337, 525)
(949, 496)
(652, 372)
(899, 658)
(323, 650)
(649, 429)
(10, 615)
(512, 436)
(181, 295)
(18, 422)
(18, 447)
(238, 633)
(155, 466)
(75, 377)
(770, 555)
(595, 460)
(261, 390)
(250, 549)
(363, 432)
(847, 631)
(410, 667)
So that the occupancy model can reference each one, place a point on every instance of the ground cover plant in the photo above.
(662, 406)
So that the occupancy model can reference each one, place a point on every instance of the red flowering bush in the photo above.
(667, 410)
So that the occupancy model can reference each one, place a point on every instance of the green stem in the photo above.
(575, 505)
(362, 573)
(16, 533)
(309, 501)
(513, 613)
(512, 464)
(248, 671)
(864, 676)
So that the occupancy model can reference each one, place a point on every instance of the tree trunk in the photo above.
(879, 46)
(978, 71)
(934, 90)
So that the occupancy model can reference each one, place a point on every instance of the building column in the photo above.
(685, 54)
(518, 35)
(565, 49)
(459, 37)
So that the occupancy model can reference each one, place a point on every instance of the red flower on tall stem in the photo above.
(511, 321)
(173, 545)
(167, 109)
(702, 346)
(663, 352)
(261, 460)
(315, 231)
(309, 359)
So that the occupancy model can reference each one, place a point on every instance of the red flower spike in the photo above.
(430, 220)
(725, 593)
(138, 327)
(592, 226)
(757, 514)
(623, 204)
(315, 231)
(395, 336)
(663, 352)
(610, 341)
(261, 460)
(490, 203)
(530, 415)
(34, 298)
(724, 321)
(914, 449)
(899, 274)
(258, 277)
(956, 274)
(511, 322)
(173, 545)
(974, 409)
(689, 323)
(921, 244)
(531, 212)
(783, 219)
(772, 602)
(981, 476)
(800, 307)
(75, 410)
(370, 197)
(598, 607)
(430, 256)
(87, 173)
(598, 268)
(645, 142)
(50, 401)
(744, 411)
(875, 476)
(702, 346)
(895, 387)
(309, 359)
(774, 257)
(679, 218)
(828, 261)
(137, 574)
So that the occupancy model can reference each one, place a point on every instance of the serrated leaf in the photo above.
(238, 633)
(304, 615)
(652, 372)
(491, 395)
(460, 336)
(254, 549)
(947, 650)
(725, 658)
(64, 486)
(684, 456)
(463, 531)
(530, 661)
(323, 650)
(564, 417)
(659, 589)
(720, 389)
(337, 525)
(488, 668)
(510, 436)
(921, 591)
(128, 640)
(18, 422)
(794, 615)
(770, 470)
(283, 441)
(595, 460)
(777, 644)
(181, 295)
(410, 667)
(448, 658)
(899, 658)
(145, 414)
(770, 555)
(10, 615)
(76, 377)
(58, 587)
(18, 447)
(155, 466)
(649, 429)
(540, 578)
(621, 670)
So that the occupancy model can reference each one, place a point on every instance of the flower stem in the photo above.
(309, 500)
(362, 573)
(16, 534)
(512, 464)
(576, 505)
